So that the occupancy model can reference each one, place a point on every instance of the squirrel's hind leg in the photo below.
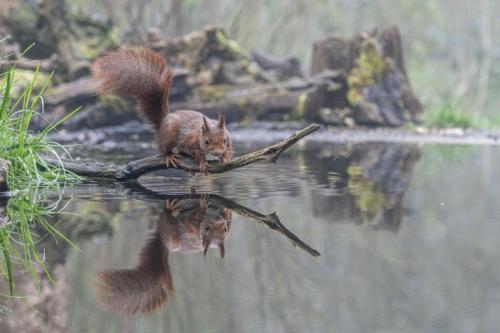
(167, 139)
(172, 159)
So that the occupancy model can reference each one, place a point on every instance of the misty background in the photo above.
(451, 47)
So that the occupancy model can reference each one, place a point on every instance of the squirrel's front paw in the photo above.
(226, 157)
(172, 159)
(204, 201)
(173, 206)
(204, 167)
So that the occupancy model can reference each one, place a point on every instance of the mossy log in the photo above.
(209, 55)
(52, 30)
(358, 81)
(284, 68)
(137, 168)
(262, 101)
(45, 65)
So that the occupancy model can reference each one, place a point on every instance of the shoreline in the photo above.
(273, 131)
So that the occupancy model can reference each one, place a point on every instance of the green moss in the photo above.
(369, 200)
(114, 103)
(23, 148)
(25, 17)
(210, 93)
(243, 103)
(448, 115)
(229, 44)
(26, 78)
(92, 41)
(354, 95)
(300, 108)
(369, 68)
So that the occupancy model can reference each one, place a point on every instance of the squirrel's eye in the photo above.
(207, 142)
(207, 228)
(225, 140)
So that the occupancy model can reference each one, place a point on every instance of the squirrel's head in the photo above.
(214, 136)
(215, 231)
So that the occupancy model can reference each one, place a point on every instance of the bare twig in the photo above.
(272, 221)
(135, 169)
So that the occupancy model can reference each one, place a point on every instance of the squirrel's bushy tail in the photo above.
(142, 290)
(140, 73)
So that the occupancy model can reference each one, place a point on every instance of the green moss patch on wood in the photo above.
(26, 78)
(369, 199)
(210, 93)
(300, 109)
(370, 66)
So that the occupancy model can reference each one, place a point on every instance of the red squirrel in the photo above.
(145, 75)
(192, 226)
(185, 226)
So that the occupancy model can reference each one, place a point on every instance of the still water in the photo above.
(408, 241)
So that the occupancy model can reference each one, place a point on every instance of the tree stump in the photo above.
(378, 90)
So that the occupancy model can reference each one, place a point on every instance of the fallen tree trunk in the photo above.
(135, 169)
(45, 65)
(256, 101)
(263, 101)
(355, 81)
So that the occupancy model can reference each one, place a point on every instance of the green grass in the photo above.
(23, 148)
(30, 177)
(27, 211)
(449, 115)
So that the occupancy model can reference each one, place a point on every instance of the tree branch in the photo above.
(135, 169)
(271, 221)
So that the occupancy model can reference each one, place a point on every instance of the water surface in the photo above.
(408, 240)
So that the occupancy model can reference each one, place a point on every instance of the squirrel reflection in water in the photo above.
(185, 225)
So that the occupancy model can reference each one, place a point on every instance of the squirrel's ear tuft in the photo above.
(222, 120)
(205, 126)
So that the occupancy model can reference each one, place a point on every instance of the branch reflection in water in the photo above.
(187, 224)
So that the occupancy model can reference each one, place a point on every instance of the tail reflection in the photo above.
(142, 290)
(185, 225)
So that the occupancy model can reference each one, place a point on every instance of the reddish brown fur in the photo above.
(183, 226)
(140, 73)
(190, 229)
(141, 290)
(145, 75)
